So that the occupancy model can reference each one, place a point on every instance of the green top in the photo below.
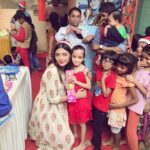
(122, 32)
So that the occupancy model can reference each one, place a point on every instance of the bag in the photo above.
(5, 104)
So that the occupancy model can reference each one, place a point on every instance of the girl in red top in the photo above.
(105, 80)
(80, 111)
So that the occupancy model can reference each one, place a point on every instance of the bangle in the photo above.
(101, 46)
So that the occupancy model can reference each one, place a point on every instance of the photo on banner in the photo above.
(89, 9)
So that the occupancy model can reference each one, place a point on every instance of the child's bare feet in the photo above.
(123, 142)
(107, 143)
(81, 146)
(75, 135)
(88, 143)
(116, 148)
(141, 146)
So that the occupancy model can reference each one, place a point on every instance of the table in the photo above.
(14, 132)
(5, 46)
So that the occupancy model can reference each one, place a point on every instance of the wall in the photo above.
(143, 19)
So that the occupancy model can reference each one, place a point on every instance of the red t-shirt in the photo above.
(98, 100)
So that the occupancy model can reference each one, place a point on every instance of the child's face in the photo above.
(111, 20)
(146, 59)
(77, 57)
(121, 69)
(140, 47)
(107, 64)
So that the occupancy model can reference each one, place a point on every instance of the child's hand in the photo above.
(66, 85)
(81, 93)
(105, 74)
(74, 80)
(97, 62)
(98, 83)
(130, 78)
(88, 38)
(89, 75)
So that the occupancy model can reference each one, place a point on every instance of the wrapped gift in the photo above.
(71, 87)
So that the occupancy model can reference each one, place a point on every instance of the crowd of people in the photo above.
(112, 84)
(114, 93)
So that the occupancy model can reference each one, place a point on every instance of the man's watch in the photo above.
(101, 46)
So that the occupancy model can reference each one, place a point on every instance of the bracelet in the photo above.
(101, 46)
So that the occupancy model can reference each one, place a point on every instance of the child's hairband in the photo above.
(66, 42)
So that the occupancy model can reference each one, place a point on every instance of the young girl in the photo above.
(142, 82)
(117, 114)
(105, 80)
(80, 111)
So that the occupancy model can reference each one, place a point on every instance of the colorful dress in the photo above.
(117, 117)
(143, 77)
(49, 125)
(80, 111)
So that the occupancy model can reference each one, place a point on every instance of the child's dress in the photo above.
(80, 111)
(117, 117)
(144, 78)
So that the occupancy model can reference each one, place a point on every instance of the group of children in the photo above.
(121, 91)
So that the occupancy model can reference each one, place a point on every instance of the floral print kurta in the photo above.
(49, 125)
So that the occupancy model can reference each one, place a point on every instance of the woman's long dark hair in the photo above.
(68, 48)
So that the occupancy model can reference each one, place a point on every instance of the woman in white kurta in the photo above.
(49, 125)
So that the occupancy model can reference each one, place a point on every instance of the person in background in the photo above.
(141, 44)
(14, 24)
(56, 7)
(99, 37)
(22, 6)
(9, 61)
(2, 63)
(23, 38)
(78, 34)
(114, 33)
(54, 26)
(34, 62)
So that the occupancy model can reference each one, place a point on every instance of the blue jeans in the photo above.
(34, 62)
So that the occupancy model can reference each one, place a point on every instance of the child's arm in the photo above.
(106, 91)
(137, 84)
(134, 99)
(86, 85)
(106, 30)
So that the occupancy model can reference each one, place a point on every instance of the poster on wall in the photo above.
(89, 9)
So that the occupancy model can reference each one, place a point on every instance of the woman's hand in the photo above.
(81, 93)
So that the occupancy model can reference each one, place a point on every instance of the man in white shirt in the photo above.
(78, 34)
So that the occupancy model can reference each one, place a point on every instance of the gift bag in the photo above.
(71, 87)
